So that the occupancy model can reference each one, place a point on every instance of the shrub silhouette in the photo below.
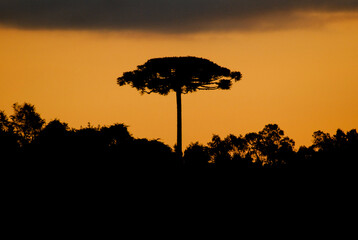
(197, 156)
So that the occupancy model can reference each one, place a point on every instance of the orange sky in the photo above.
(304, 80)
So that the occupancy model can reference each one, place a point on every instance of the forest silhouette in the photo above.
(26, 138)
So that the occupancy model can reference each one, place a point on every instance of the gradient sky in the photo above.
(299, 62)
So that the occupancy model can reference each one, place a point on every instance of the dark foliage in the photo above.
(197, 156)
(183, 74)
(24, 140)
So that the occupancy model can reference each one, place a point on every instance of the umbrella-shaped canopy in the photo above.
(183, 74)
(179, 74)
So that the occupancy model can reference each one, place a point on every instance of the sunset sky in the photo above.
(299, 61)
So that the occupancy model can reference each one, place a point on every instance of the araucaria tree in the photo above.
(181, 75)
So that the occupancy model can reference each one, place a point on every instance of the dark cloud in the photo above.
(163, 15)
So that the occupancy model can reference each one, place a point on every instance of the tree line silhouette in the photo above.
(26, 138)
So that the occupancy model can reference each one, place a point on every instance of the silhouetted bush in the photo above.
(197, 156)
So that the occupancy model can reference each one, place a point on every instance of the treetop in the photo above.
(184, 74)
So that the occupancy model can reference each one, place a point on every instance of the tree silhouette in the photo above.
(181, 75)
(275, 146)
(26, 122)
(220, 150)
(8, 139)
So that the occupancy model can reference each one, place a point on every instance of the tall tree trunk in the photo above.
(179, 125)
